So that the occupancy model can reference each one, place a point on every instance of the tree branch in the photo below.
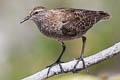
(68, 66)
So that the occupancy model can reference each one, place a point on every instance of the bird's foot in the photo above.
(56, 63)
(84, 66)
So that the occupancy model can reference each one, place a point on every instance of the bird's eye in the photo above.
(35, 13)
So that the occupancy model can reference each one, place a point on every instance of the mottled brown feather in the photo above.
(67, 23)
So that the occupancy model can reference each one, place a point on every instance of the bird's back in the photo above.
(69, 23)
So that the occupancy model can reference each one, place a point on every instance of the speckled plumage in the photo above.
(66, 23)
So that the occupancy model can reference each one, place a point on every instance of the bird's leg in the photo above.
(81, 56)
(58, 60)
(63, 50)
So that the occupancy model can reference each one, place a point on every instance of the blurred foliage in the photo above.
(25, 51)
(76, 77)
(116, 77)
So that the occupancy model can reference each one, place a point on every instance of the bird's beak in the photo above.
(25, 19)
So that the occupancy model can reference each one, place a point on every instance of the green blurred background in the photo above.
(25, 51)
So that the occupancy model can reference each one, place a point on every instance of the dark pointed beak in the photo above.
(25, 19)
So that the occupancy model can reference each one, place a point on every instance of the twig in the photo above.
(68, 66)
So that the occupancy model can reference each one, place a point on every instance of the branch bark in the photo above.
(69, 66)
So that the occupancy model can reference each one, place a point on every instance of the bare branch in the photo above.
(68, 66)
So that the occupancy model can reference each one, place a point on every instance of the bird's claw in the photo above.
(56, 63)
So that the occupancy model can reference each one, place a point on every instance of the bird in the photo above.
(64, 24)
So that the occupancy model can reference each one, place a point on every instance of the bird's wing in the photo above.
(77, 21)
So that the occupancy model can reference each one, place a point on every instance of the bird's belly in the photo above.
(58, 35)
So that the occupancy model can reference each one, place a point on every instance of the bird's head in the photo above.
(34, 14)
